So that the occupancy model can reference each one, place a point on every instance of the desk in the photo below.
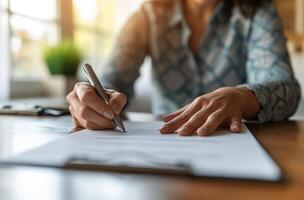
(284, 141)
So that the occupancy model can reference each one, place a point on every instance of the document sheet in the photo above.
(223, 154)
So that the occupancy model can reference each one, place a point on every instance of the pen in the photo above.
(101, 92)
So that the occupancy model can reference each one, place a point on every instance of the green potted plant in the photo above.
(62, 61)
(63, 58)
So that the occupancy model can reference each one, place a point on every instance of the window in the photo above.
(97, 23)
(4, 75)
(94, 20)
(32, 24)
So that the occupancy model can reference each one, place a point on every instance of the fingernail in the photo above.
(116, 108)
(203, 132)
(236, 128)
(164, 129)
(108, 115)
(183, 131)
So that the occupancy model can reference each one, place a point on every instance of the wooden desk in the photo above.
(284, 141)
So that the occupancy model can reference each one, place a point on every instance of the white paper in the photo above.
(223, 154)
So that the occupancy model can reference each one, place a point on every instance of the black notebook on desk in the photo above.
(31, 110)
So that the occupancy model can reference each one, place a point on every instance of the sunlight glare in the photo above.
(87, 9)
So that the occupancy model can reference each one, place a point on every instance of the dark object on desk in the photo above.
(32, 110)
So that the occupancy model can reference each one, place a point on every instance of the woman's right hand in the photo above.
(90, 111)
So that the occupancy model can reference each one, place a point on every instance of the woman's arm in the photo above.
(128, 54)
(87, 108)
(269, 71)
(271, 94)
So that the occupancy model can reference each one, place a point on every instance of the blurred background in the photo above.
(35, 33)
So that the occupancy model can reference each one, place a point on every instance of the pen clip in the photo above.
(87, 68)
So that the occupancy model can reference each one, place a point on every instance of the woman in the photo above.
(214, 61)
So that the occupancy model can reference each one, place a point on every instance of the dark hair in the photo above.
(247, 7)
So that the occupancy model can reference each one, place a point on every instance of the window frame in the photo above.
(65, 30)
(4, 56)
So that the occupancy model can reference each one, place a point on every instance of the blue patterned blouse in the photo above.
(235, 51)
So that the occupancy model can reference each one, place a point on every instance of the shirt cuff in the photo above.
(262, 95)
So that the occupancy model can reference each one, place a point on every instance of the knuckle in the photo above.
(77, 85)
(197, 116)
(189, 125)
(84, 98)
(120, 98)
(214, 117)
(198, 100)
(203, 99)
(183, 117)
(83, 110)
(71, 110)
(218, 103)
(70, 96)
(101, 108)
(123, 98)
(215, 104)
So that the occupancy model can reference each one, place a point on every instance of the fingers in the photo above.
(91, 126)
(117, 102)
(169, 117)
(87, 96)
(212, 123)
(83, 114)
(178, 121)
(195, 122)
(76, 122)
(88, 118)
(236, 124)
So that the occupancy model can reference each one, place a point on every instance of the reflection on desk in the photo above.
(21, 133)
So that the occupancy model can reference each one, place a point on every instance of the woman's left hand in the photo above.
(206, 113)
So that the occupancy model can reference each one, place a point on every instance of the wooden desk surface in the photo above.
(284, 141)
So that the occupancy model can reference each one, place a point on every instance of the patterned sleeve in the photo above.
(122, 69)
(269, 72)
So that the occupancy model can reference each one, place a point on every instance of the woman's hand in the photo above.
(206, 113)
(90, 111)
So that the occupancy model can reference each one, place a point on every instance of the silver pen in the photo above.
(101, 92)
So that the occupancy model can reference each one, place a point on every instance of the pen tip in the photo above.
(123, 129)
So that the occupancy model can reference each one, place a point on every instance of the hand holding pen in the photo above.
(90, 111)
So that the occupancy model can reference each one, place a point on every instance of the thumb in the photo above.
(117, 102)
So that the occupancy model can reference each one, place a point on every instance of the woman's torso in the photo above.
(180, 75)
